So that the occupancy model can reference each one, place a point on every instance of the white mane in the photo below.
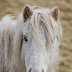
(51, 28)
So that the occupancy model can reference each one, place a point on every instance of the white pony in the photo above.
(31, 42)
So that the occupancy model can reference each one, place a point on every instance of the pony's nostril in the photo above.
(42, 70)
(30, 70)
(36, 70)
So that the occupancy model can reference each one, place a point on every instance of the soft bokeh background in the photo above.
(65, 7)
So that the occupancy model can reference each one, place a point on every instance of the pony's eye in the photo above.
(25, 38)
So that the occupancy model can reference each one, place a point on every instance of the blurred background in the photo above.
(65, 6)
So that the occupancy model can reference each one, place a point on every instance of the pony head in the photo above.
(40, 31)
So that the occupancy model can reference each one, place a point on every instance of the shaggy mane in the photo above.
(40, 18)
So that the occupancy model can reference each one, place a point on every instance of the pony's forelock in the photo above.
(47, 25)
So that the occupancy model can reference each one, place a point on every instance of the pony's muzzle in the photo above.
(36, 70)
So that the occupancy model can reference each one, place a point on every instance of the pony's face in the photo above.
(37, 44)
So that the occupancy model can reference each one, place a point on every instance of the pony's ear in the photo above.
(27, 12)
(55, 13)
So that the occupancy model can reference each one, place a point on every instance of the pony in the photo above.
(30, 43)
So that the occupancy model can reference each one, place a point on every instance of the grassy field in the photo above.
(65, 7)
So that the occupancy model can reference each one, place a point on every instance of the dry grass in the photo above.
(65, 6)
